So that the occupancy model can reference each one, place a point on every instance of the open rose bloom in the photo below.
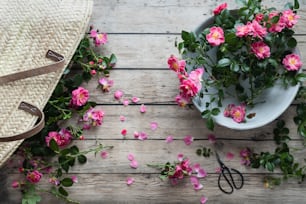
(237, 54)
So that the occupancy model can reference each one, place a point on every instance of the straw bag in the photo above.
(37, 40)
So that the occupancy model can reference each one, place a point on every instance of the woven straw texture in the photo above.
(28, 28)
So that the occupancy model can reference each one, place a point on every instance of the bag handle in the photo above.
(29, 108)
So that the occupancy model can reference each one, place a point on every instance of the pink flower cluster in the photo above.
(237, 113)
(92, 118)
(62, 138)
(245, 155)
(182, 169)
(190, 84)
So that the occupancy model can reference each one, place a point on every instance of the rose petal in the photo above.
(123, 132)
(135, 99)
(218, 170)
(134, 164)
(196, 167)
(180, 157)
(201, 173)
(143, 136)
(74, 179)
(169, 139)
(212, 138)
(229, 156)
(143, 108)
(154, 125)
(188, 139)
(130, 181)
(122, 118)
(136, 135)
(125, 102)
(131, 157)
(118, 94)
(104, 154)
(203, 200)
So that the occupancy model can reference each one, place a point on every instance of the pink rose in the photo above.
(219, 8)
(292, 62)
(34, 176)
(79, 96)
(62, 138)
(260, 49)
(215, 36)
(176, 65)
(290, 18)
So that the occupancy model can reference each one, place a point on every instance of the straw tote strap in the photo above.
(29, 108)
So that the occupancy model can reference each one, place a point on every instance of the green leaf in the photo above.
(67, 182)
(74, 150)
(301, 77)
(224, 62)
(113, 59)
(275, 19)
(62, 191)
(215, 111)
(82, 159)
(210, 123)
(292, 43)
(53, 145)
(296, 4)
(30, 196)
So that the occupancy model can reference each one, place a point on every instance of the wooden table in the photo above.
(142, 35)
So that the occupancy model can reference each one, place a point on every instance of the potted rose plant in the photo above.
(241, 68)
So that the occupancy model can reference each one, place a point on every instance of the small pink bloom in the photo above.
(93, 72)
(182, 101)
(74, 179)
(245, 155)
(135, 99)
(215, 36)
(123, 132)
(143, 136)
(106, 84)
(180, 157)
(228, 110)
(229, 156)
(130, 181)
(91, 63)
(176, 65)
(290, 18)
(100, 38)
(126, 102)
(93, 118)
(122, 118)
(220, 8)
(34, 176)
(260, 49)
(212, 138)
(188, 139)
(203, 200)
(143, 108)
(104, 154)
(188, 88)
(238, 113)
(131, 157)
(15, 184)
(259, 17)
(79, 96)
(134, 164)
(54, 181)
(292, 62)
(118, 94)
(169, 139)
(154, 125)
(82, 137)
(196, 184)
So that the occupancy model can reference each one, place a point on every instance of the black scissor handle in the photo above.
(226, 173)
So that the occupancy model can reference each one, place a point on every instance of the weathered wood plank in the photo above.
(159, 152)
(152, 51)
(170, 16)
(176, 121)
(148, 188)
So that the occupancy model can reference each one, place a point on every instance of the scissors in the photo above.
(227, 174)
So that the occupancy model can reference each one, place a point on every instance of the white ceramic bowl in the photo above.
(274, 100)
